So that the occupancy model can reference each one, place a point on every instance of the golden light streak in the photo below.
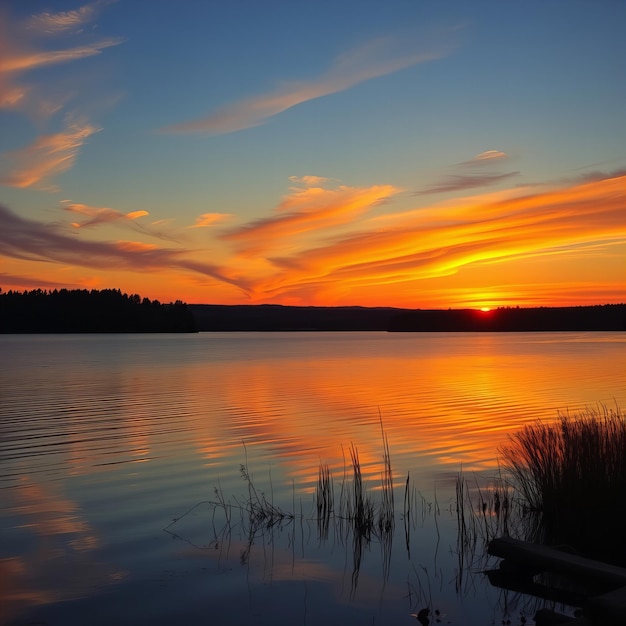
(560, 245)
(497, 227)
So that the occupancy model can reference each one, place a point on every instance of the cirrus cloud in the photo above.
(210, 219)
(460, 182)
(48, 23)
(377, 58)
(102, 215)
(21, 51)
(487, 157)
(30, 240)
(307, 213)
(48, 156)
(395, 249)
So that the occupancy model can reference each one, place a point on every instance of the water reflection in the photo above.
(48, 551)
(105, 440)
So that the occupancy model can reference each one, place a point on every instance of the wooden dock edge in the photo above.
(544, 558)
(606, 609)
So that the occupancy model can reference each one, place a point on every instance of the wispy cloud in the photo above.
(31, 240)
(101, 215)
(309, 181)
(56, 23)
(210, 219)
(396, 249)
(589, 177)
(48, 156)
(478, 178)
(488, 157)
(20, 49)
(323, 244)
(26, 282)
(377, 58)
(306, 213)
(462, 182)
(21, 61)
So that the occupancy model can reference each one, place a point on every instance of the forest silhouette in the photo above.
(90, 311)
(111, 311)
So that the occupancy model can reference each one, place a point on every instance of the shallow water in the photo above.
(106, 439)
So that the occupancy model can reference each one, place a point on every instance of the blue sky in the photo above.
(234, 151)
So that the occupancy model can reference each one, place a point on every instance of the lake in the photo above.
(129, 464)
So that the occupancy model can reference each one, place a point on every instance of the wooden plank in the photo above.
(552, 560)
(513, 582)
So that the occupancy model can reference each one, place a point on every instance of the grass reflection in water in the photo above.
(357, 516)
(524, 500)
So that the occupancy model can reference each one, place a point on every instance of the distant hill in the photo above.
(582, 318)
(212, 317)
(275, 317)
(90, 311)
(111, 311)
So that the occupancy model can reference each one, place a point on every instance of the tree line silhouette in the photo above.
(274, 317)
(607, 317)
(110, 310)
(90, 311)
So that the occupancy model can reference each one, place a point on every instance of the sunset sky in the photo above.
(423, 154)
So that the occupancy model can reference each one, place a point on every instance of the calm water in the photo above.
(106, 440)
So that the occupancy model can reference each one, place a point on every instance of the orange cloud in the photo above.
(20, 62)
(135, 246)
(19, 52)
(311, 211)
(47, 157)
(29, 240)
(102, 215)
(210, 219)
(396, 249)
(349, 245)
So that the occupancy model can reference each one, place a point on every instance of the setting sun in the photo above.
(485, 309)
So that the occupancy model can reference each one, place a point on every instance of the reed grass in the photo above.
(579, 461)
(325, 500)
(485, 508)
(369, 516)
(573, 474)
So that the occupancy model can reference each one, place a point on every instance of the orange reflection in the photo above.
(455, 414)
(59, 564)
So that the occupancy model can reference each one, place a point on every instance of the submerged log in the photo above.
(544, 558)
(606, 609)
(522, 584)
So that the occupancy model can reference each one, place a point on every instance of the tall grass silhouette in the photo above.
(572, 473)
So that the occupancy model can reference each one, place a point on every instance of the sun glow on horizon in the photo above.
(511, 210)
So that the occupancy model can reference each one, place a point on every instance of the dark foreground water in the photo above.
(112, 446)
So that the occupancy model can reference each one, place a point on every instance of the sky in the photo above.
(406, 153)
